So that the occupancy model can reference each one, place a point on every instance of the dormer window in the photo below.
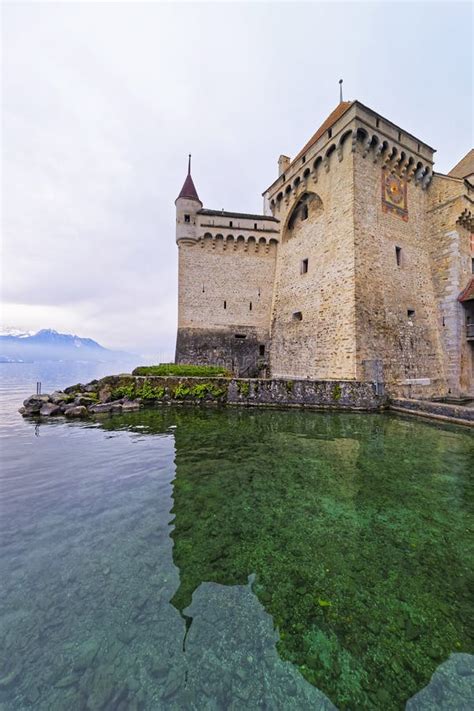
(187, 218)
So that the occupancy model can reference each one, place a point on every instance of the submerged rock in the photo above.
(86, 654)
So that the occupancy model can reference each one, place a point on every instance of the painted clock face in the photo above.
(394, 189)
(394, 195)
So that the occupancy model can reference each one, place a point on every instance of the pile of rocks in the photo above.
(73, 405)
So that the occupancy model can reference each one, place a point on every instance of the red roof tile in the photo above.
(325, 126)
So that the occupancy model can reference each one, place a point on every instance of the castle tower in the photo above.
(187, 204)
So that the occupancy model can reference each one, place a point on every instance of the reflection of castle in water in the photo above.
(337, 526)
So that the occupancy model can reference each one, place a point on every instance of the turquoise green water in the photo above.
(235, 559)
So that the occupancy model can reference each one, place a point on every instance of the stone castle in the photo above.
(360, 267)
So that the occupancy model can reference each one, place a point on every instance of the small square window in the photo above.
(304, 266)
(187, 218)
(297, 316)
(411, 314)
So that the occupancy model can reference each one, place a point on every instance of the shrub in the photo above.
(124, 391)
(336, 392)
(181, 391)
(243, 387)
(185, 371)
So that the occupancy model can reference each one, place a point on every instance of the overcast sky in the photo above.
(103, 102)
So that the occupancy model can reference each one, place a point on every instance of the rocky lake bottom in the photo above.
(233, 559)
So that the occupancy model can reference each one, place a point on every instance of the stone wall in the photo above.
(321, 344)
(225, 296)
(450, 247)
(395, 302)
(339, 394)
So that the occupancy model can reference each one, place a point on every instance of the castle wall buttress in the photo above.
(313, 321)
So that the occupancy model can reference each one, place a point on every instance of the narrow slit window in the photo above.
(231, 224)
(241, 335)
(187, 218)
(250, 306)
(330, 133)
(304, 266)
(261, 350)
(225, 304)
(398, 256)
(255, 226)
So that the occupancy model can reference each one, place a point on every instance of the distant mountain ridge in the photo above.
(17, 346)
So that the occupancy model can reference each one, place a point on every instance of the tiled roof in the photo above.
(188, 190)
(243, 215)
(465, 166)
(325, 126)
(468, 293)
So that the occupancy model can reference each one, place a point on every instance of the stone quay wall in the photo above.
(126, 393)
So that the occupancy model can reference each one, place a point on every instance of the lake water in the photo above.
(203, 559)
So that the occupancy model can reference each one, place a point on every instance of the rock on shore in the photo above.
(81, 401)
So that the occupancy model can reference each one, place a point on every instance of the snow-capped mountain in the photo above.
(47, 344)
(11, 331)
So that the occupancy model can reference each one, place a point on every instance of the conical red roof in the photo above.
(188, 190)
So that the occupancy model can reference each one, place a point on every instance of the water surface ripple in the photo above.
(185, 559)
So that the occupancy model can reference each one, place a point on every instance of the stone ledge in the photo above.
(457, 414)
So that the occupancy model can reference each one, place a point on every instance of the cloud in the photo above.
(103, 101)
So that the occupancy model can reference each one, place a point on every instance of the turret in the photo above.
(187, 205)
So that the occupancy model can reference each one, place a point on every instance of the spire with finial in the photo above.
(188, 190)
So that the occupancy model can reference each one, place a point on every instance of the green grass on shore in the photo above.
(205, 371)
